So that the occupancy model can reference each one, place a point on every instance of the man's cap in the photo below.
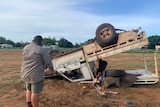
(38, 40)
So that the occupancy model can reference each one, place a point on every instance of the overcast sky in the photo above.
(75, 20)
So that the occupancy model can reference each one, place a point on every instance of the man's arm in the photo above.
(52, 69)
(48, 62)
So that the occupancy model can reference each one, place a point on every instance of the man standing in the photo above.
(34, 61)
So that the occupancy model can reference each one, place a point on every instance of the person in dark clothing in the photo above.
(101, 71)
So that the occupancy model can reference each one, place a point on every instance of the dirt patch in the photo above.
(59, 92)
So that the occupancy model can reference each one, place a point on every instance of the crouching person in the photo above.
(101, 73)
(34, 61)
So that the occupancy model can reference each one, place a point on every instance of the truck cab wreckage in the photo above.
(78, 65)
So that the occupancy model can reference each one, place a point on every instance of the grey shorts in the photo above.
(35, 87)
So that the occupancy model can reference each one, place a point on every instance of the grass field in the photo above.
(59, 92)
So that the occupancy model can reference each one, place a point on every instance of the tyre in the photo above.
(105, 34)
(115, 73)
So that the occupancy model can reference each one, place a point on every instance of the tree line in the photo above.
(153, 40)
(46, 41)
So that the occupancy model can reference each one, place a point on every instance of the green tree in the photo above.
(2, 40)
(49, 41)
(77, 45)
(5, 41)
(9, 42)
(153, 40)
(18, 44)
(65, 43)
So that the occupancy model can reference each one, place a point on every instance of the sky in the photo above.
(75, 20)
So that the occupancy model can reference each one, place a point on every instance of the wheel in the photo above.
(115, 73)
(105, 34)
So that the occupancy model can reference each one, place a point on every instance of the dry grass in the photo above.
(61, 93)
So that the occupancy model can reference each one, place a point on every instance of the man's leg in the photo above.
(28, 98)
(36, 90)
(35, 99)
(28, 95)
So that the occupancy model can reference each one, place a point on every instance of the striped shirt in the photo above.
(34, 61)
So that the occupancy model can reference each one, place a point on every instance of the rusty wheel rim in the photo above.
(105, 33)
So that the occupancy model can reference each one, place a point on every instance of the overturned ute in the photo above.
(79, 64)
